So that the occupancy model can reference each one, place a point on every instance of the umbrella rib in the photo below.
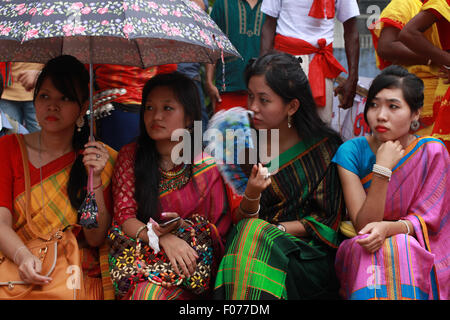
(140, 55)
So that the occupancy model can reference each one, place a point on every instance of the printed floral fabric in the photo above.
(100, 32)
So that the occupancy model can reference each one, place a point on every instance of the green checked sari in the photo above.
(263, 262)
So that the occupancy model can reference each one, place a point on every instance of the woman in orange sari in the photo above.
(58, 158)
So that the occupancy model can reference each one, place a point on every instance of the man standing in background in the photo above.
(241, 21)
(306, 28)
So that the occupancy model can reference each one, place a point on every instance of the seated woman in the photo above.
(147, 184)
(58, 159)
(285, 243)
(395, 187)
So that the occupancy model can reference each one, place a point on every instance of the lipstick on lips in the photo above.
(381, 129)
(256, 121)
(51, 118)
(155, 126)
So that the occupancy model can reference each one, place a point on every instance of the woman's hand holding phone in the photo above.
(173, 222)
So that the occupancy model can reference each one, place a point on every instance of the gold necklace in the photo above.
(175, 179)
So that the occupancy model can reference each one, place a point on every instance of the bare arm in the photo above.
(14, 248)
(348, 88)
(393, 50)
(268, 34)
(412, 36)
(250, 204)
(363, 209)
(200, 3)
(211, 89)
(296, 228)
(131, 226)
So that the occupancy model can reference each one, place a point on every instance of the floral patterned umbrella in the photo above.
(136, 32)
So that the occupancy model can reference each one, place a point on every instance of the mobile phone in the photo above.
(166, 223)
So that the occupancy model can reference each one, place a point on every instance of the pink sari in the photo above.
(205, 194)
(406, 267)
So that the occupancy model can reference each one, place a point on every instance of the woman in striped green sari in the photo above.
(284, 245)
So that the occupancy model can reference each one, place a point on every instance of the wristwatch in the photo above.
(281, 227)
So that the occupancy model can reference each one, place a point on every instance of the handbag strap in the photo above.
(26, 170)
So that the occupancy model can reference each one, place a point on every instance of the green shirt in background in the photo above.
(242, 25)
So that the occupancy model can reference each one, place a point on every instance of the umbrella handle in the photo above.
(91, 180)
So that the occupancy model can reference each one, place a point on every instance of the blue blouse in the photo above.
(356, 156)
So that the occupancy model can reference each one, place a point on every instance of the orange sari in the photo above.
(51, 210)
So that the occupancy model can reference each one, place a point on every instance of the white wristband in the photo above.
(383, 171)
(153, 239)
(406, 224)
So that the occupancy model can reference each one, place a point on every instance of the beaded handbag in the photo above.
(131, 261)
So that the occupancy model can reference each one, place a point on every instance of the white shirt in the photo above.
(293, 20)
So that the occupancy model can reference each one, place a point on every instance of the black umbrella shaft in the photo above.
(91, 95)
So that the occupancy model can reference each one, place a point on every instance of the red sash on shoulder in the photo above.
(323, 65)
(319, 7)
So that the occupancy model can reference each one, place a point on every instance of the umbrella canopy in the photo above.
(136, 33)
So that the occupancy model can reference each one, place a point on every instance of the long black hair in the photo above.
(284, 75)
(70, 77)
(397, 77)
(147, 175)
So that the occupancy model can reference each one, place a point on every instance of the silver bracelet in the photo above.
(249, 215)
(251, 199)
(446, 67)
(383, 171)
(406, 224)
(17, 251)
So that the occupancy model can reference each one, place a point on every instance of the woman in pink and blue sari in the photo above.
(394, 185)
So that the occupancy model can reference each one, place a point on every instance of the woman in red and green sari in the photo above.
(285, 243)
(149, 186)
(58, 159)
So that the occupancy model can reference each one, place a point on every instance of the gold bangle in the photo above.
(139, 231)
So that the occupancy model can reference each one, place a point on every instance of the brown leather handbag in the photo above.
(45, 247)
